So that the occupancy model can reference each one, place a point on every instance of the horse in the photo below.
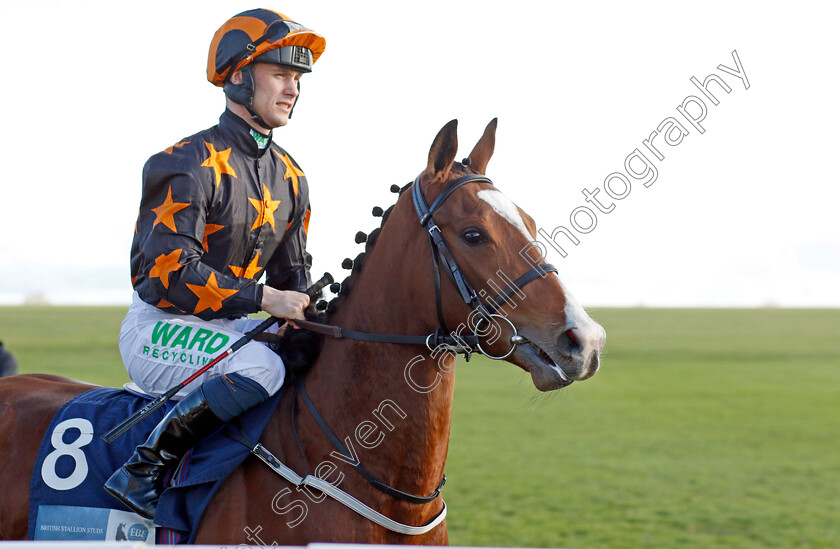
(389, 402)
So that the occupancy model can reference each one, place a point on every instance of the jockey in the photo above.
(218, 210)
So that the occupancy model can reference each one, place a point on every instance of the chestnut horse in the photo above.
(389, 403)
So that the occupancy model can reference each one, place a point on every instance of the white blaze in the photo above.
(503, 206)
(592, 334)
(588, 329)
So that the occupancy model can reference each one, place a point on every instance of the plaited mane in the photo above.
(356, 265)
(300, 348)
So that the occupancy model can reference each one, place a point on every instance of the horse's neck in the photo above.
(401, 389)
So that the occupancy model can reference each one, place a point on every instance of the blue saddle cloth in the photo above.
(73, 462)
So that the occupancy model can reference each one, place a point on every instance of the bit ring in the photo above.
(515, 336)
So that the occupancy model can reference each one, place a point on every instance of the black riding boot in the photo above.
(138, 483)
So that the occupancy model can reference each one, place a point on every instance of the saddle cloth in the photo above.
(67, 500)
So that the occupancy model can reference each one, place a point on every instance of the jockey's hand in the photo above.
(284, 304)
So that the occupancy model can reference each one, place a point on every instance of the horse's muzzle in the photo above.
(554, 363)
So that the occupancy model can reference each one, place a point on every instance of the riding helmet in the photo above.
(259, 36)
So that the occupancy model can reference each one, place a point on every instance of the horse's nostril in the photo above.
(568, 342)
(594, 364)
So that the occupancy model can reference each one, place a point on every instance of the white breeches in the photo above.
(160, 350)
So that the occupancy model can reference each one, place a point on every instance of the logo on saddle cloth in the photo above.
(176, 343)
(66, 523)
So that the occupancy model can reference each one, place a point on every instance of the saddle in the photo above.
(67, 501)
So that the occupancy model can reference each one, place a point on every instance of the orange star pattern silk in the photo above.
(166, 211)
(217, 204)
(168, 150)
(265, 209)
(209, 229)
(218, 161)
(291, 171)
(210, 296)
(164, 266)
(247, 272)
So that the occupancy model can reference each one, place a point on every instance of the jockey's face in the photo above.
(275, 92)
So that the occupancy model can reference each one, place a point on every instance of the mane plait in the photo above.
(356, 265)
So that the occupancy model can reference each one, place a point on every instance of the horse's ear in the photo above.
(483, 150)
(444, 148)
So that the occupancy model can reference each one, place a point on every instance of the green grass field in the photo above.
(703, 429)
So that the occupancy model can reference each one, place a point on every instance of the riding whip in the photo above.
(149, 408)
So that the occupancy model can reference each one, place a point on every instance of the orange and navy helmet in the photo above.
(253, 36)
(259, 36)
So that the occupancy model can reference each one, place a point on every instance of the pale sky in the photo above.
(743, 214)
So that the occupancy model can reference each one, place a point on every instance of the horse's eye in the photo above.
(473, 237)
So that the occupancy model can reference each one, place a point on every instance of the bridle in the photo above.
(442, 254)
(465, 344)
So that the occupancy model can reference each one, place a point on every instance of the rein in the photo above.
(375, 482)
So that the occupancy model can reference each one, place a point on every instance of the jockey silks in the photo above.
(216, 213)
